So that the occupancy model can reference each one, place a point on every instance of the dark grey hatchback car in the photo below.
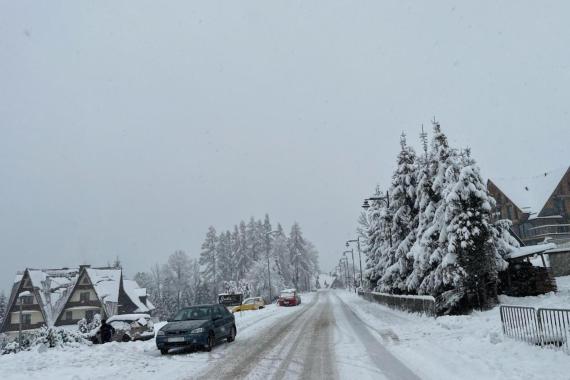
(197, 327)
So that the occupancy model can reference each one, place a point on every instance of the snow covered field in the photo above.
(133, 360)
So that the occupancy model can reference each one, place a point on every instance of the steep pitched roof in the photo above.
(135, 292)
(530, 194)
(50, 286)
(106, 283)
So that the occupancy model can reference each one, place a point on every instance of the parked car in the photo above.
(128, 327)
(254, 303)
(289, 297)
(197, 327)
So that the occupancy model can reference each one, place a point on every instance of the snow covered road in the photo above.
(324, 340)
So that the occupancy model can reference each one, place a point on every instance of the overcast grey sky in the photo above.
(127, 128)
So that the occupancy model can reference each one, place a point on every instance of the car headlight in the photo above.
(197, 331)
(160, 333)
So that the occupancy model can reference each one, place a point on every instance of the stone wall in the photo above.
(412, 304)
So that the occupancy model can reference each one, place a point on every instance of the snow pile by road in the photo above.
(465, 347)
(133, 360)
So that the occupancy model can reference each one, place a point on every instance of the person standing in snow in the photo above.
(106, 331)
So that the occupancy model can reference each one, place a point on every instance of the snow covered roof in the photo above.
(51, 286)
(560, 248)
(530, 194)
(531, 250)
(106, 283)
(128, 317)
(135, 292)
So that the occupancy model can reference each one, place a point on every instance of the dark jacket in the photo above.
(107, 332)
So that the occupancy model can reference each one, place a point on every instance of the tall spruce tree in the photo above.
(404, 220)
(208, 258)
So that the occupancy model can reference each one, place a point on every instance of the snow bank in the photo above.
(465, 347)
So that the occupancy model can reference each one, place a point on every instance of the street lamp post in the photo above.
(357, 240)
(347, 271)
(353, 270)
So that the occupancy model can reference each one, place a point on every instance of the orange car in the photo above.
(254, 303)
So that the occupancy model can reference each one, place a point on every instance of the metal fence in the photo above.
(542, 327)
(413, 304)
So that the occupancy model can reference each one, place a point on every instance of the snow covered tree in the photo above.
(3, 306)
(433, 240)
(177, 275)
(242, 254)
(208, 258)
(377, 250)
(225, 257)
(299, 258)
(404, 220)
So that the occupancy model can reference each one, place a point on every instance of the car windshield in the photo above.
(287, 294)
(194, 313)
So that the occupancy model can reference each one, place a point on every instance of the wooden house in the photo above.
(59, 297)
(538, 206)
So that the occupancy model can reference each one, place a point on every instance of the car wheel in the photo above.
(232, 335)
(164, 351)
(126, 338)
(211, 342)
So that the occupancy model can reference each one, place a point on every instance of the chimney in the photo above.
(81, 267)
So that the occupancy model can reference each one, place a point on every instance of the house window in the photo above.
(69, 315)
(89, 314)
(84, 281)
(26, 319)
(27, 300)
(84, 296)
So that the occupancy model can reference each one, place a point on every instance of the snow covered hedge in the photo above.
(435, 235)
(45, 337)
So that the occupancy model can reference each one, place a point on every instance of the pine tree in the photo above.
(208, 258)
(3, 306)
(404, 220)
(297, 253)
(471, 234)
(433, 239)
(225, 256)
(243, 258)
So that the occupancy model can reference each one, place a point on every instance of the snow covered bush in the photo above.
(85, 327)
(48, 337)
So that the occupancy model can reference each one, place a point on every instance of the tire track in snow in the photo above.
(239, 361)
(386, 362)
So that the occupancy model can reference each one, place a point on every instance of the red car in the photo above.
(289, 297)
